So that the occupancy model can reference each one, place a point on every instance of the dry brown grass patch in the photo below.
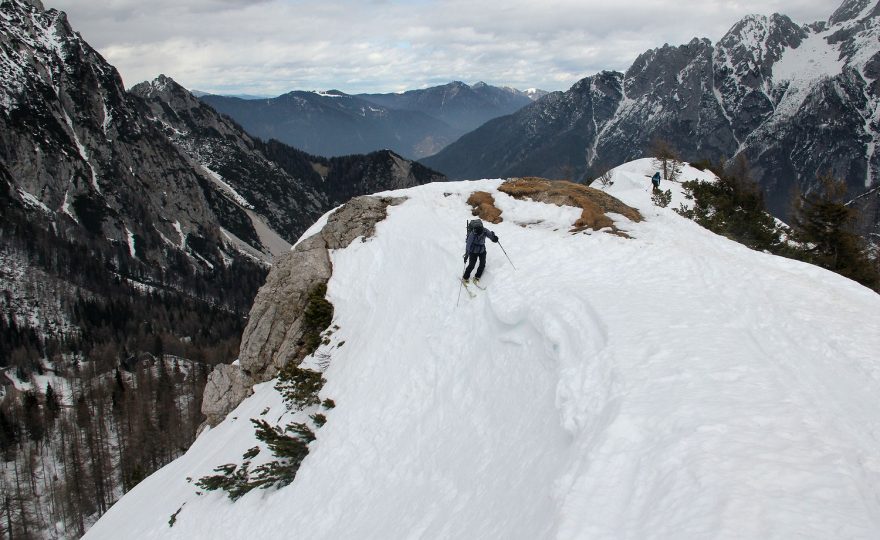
(484, 206)
(594, 204)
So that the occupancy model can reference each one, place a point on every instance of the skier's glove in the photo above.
(465, 257)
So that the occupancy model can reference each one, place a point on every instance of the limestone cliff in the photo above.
(274, 333)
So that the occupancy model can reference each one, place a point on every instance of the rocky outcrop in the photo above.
(274, 333)
(227, 385)
(594, 204)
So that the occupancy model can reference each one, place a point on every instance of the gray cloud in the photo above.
(272, 46)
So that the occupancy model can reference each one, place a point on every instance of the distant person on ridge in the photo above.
(475, 248)
(656, 181)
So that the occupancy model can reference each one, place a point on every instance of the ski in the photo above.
(467, 288)
(481, 287)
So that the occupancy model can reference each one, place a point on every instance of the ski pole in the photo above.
(506, 255)
(460, 287)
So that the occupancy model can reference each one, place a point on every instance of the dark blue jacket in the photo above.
(476, 240)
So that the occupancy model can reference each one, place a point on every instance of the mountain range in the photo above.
(415, 124)
(796, 100)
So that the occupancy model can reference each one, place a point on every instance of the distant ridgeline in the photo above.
(415, 124)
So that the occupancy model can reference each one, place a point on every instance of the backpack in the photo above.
(474, 225)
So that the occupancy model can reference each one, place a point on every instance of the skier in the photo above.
(656, 181)
(475, 248)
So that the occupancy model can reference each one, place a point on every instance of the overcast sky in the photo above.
(269, 47)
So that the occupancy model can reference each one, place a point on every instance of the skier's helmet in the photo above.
(475, 225)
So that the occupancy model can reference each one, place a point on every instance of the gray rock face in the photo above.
(848, 10)
(285, 202)
(274, 333)
(72, 138)
(227, 386)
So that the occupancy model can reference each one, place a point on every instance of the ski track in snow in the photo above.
(672, 385)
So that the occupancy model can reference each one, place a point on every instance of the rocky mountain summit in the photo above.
(81, 151)
(795, 100)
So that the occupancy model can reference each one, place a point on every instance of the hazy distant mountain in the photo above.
(199, 94)
(415, 124)
(335, 124)
(461, 106)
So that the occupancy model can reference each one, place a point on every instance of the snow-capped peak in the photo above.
(852, 10)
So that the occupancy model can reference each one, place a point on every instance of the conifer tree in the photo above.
(826, 226)
(666, 158)
(53, 407)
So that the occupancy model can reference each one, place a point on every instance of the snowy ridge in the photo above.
(671, 385)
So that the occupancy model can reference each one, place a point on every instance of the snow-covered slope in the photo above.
(670, 385)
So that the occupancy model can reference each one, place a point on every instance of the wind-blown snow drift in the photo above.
(671, 385)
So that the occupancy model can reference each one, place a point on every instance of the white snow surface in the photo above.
(813, 59)
(33, 201)
(217, 179)
(130, 240)
(671, 385)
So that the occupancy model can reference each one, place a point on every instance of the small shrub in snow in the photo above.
(173, 518)
(303, 431)
(299, 387)
(288, 445)
(662, 198)
(733, 207)
(317, 317)
(232, 479)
